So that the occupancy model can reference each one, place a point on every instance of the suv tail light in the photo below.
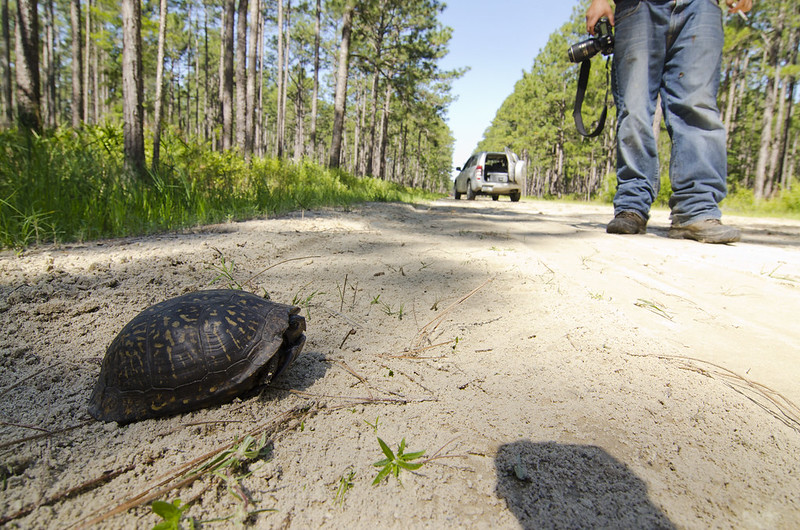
(478, 172)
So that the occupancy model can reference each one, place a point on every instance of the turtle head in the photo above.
(293, 341)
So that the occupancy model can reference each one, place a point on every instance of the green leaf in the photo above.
(409, 465)
(385, 448)
(385, 471)
(413, 456)
(382, 462)
(167, 510)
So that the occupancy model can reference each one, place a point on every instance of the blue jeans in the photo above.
(671, 47)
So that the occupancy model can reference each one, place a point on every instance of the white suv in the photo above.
(491, 173)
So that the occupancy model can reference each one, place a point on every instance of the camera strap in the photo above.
(583, 80)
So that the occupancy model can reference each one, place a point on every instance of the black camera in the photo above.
(603, 41)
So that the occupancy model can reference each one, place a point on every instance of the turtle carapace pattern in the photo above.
(193, 351)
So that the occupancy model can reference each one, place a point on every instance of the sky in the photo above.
(497, 40)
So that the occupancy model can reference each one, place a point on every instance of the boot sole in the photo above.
(732, 236)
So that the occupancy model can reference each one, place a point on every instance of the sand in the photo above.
(555, 375)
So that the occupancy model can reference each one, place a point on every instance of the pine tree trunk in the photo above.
(8, 103)
(252, 60)
(373, 118)
(132, 89)
(783, 140)
(759, 186)
(258, 140)
(77, 62)
(48, 58)
(159, 103)
(384, 132)
(773, 44)
(96, 110)
(735, 90)
(86, 55)
(198, 124)
(226, 74)
(241, 75)
(299, 116)
(285, 67)
(772, 167)
(340, 97)
(315, 92)
(207, 88)
(29, 110)
(281, 80)
(791, 158)
(358, 150)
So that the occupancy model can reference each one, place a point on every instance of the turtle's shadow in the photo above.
(300, 375)
(552, 485)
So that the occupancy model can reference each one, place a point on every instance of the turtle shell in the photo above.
(194, 351)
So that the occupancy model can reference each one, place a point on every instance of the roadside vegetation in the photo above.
(71, 186)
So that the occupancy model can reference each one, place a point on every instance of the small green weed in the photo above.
(653, 307)
(242, 452)
(171, 513)
(300, 300)
(225, 271)
(6, 471)
(388, 309)
(345, 484)
(391, 311)
(373, 425)
(231, 467)
(393, 463)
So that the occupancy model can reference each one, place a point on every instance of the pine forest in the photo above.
(106, 105)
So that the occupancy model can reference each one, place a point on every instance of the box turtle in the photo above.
(193, 351)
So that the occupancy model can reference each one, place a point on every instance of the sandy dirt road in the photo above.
(561, 376)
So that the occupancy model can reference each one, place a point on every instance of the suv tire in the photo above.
(470, 193)
(456, 194)
(516, 196)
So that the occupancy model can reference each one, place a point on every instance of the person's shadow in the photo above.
(551, 485)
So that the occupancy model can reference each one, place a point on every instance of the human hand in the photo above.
(601, 8)
(742, 6)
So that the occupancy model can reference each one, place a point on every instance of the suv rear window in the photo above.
(496, 164)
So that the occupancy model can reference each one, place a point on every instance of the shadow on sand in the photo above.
(551, 485)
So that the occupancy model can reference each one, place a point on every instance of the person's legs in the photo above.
(636, 79)
(698, 165)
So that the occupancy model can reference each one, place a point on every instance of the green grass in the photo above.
(71, 186)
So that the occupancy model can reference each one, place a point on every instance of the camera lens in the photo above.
(583, 50)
